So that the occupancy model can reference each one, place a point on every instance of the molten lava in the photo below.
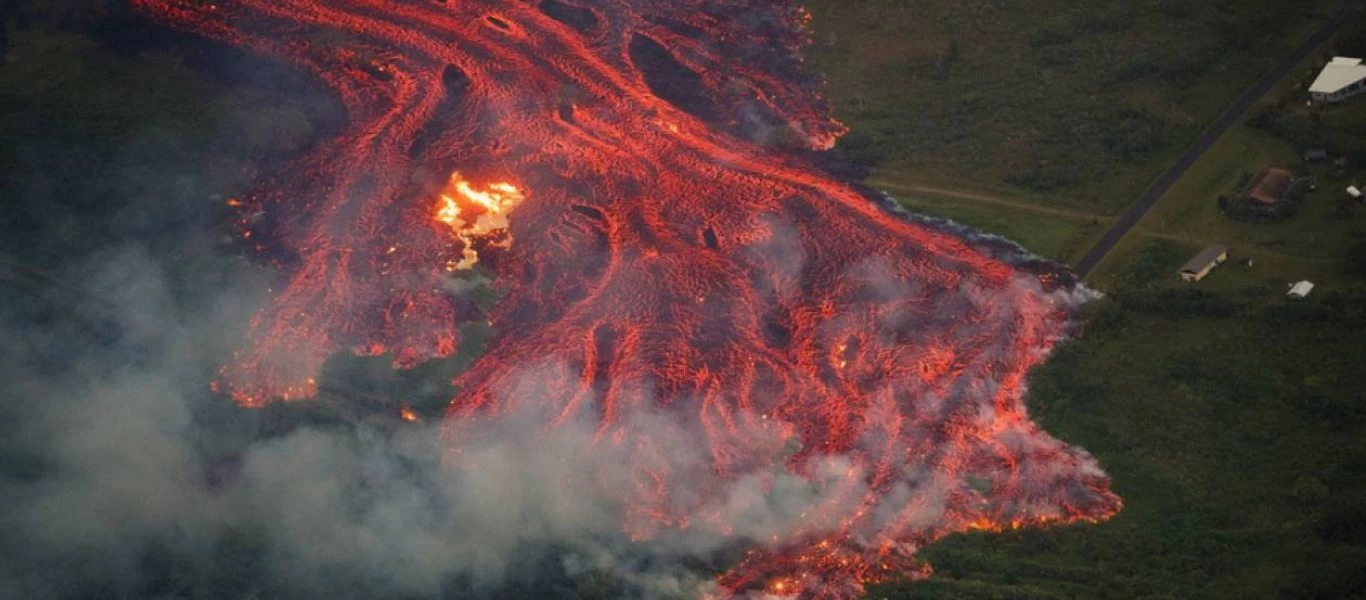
(476, 215)
(676, 251)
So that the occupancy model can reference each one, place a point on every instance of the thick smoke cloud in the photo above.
(124, 472)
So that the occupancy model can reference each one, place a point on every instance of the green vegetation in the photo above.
(1076, 105)
(92, 131)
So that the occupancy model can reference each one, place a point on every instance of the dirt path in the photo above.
(892, 185)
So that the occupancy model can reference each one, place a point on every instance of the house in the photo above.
(1271, 188)
(1203, 263)
(1315, 154)
(1354, 192)
(1342, 78)
(1300, 289)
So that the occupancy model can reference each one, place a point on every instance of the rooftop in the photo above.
(1204, 259)
(1271, 188)
(1341, 72)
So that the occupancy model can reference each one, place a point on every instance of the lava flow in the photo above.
(636, 174)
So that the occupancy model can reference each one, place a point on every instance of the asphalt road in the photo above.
(1232, 115)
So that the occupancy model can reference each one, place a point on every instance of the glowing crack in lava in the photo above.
(681, 255)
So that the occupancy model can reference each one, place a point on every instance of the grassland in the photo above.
(1075, 105)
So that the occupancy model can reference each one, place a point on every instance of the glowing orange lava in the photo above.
(476, 215)
(684, 256)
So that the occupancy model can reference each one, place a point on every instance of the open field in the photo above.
(1076, 106)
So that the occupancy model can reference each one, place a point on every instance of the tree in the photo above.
(1356, 260)
(8, 8)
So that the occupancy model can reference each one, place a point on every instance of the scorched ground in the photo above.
(636, 174)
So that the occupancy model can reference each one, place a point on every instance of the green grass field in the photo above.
(1075, 105)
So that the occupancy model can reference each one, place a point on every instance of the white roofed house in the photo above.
(1341, 78)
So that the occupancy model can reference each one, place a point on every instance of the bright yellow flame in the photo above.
(408, 415)
(489, 208)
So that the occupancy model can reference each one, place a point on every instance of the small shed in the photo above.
(1314, 154)
(1354, 192)
(1300, 289)
(1204, 262)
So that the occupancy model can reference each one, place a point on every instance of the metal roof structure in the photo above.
(1204, 259)
(1300, 289)
(1338, 74)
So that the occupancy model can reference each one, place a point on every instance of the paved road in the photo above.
(1231, 116)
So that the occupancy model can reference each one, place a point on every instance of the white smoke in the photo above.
(130, 461)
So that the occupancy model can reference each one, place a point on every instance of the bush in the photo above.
(1156, 260)
(1355, 260)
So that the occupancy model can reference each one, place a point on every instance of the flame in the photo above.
(474, 214)
(407, 414)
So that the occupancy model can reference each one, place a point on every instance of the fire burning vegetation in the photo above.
(636, 176)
